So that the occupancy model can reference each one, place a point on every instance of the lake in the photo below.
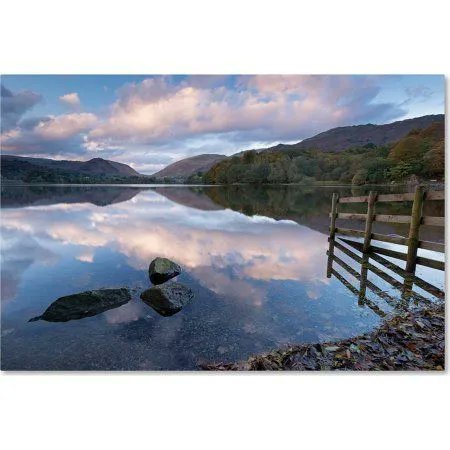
(254, 257)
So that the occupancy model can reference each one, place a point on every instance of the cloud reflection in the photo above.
(224, 250)
(19, 252)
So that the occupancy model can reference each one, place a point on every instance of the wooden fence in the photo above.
(373, 252)
(415, 220)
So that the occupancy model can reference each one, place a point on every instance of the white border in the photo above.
(160, 411)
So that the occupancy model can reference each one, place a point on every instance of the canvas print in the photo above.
(222, 222)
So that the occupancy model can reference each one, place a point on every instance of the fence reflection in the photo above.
(359, 268)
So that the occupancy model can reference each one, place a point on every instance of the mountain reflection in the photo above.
(305, 205)
(19, 196)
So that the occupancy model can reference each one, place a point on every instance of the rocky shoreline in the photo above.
(408, 341)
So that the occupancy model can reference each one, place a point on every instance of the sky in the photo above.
(151, 121)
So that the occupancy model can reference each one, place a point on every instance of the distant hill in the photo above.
(36, 170)
(188, 167)
(419, 154)
(98, 166)
(343, 138)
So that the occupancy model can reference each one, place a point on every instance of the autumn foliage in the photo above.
(420, 153)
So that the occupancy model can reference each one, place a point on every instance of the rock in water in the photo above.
(163, 269)
(167, 299)
(84, 304)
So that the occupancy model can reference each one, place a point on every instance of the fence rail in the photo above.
(415, 220)
(407, 197)
(392, 218)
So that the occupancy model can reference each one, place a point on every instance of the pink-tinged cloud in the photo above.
(272, 105)
(72, 99)
(60, 137)
(65, 126)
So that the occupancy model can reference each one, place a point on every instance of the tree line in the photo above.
(420, 153)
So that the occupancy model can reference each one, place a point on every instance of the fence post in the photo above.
(369, 220)
(334, 206)
(413, 239)
(363, 281)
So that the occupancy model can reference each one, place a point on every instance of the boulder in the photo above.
(163, 269)
(167, 299)
(84, 304)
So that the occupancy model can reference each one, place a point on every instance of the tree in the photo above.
(407, 150)
(360, 177)
(434, 160)
(249, 156)
(402, 170)
(378, 170)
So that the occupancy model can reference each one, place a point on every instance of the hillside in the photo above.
(93, 166)
(420, 153)
(189, 167)
(38, 170)
(339, 139)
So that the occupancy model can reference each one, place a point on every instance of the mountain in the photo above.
(188, 167)
(96, 166)
(342, 138)
(38, 170)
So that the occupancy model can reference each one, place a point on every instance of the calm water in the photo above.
(255, 258)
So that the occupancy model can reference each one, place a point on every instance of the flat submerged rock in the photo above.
(84, 304)
(167, 299)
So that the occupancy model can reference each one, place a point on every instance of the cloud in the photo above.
(15, 105)
(72, 100)
(65, 126)
(86, 256)
(267, 108)
(422, 92)
(417, 94)
(49, 136)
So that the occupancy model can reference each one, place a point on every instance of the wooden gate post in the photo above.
(366, 246)
(413, 239)
(363, 281)
(369, 220)
(334, 206)
(407, 290)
